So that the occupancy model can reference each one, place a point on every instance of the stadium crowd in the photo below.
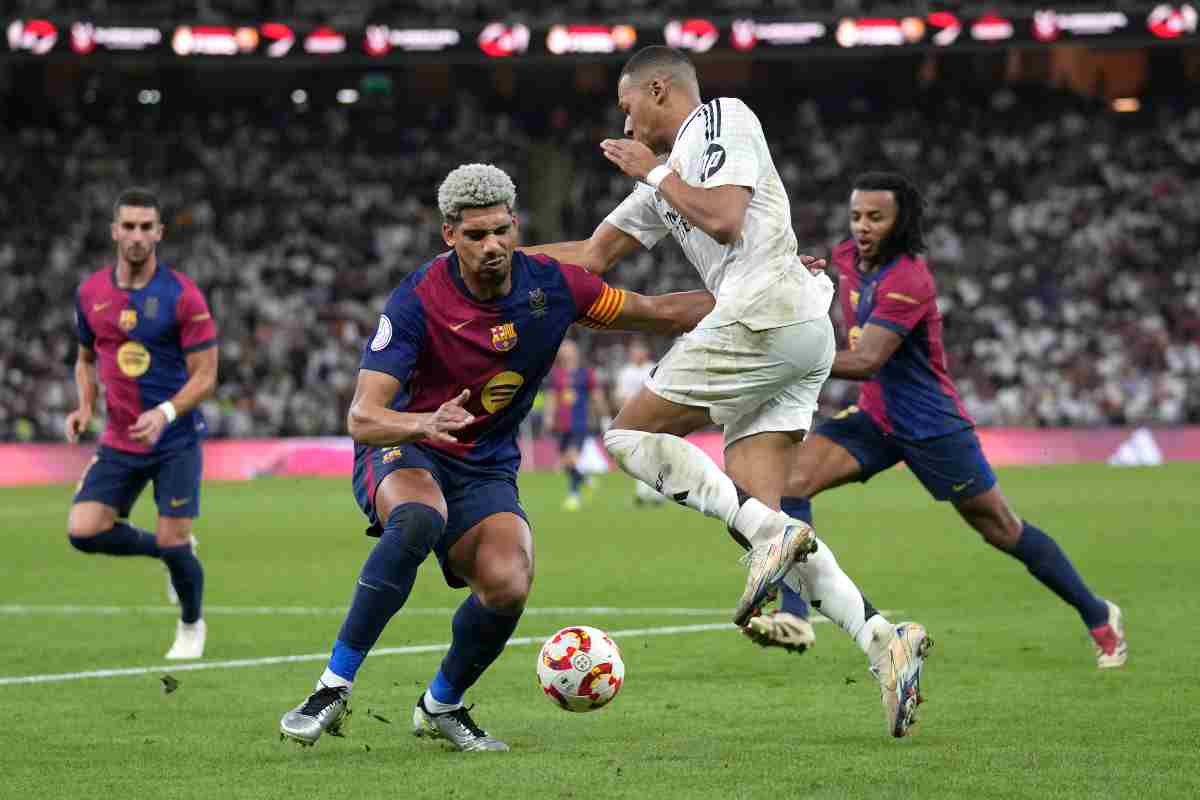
(1069, 265)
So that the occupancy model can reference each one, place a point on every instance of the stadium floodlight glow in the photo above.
(1126, 105)
(299, 97)
(347, 96)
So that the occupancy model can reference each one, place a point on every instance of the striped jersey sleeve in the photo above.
(596, 303)
(606, 308)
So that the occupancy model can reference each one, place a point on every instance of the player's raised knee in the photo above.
(419, 526)
(83, 526)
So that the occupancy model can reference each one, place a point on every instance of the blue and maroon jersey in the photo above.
(572, 391)
(912, 395)
(437, 339)
(141, 338)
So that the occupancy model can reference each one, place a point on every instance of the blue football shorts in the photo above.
(472, 493)
(950, 467)
(116, 478)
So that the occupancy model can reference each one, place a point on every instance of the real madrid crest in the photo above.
(128, 320)
(504, 337)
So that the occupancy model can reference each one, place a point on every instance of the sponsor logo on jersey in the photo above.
(537, 302)
(390, 454)
(500, 391)
(133, 359)
(504, 336)
(714, 159)
(128, 320)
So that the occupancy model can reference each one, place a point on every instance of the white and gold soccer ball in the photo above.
(580, 668)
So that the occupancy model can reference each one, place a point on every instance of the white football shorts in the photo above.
(750, 381)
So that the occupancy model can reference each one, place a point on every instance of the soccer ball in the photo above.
(580, 668)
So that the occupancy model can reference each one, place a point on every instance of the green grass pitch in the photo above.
(1015, 706)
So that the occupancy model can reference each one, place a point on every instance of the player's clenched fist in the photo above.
(450, 416)
(77, 423)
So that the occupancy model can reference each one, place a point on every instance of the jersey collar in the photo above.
(695, 113)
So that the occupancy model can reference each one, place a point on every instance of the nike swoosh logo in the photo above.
(176, 502)
(100, 306)
(958, 487)
(460, 325)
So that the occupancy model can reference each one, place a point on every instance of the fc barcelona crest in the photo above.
(537, 302)
(128, 320)
(504, 337)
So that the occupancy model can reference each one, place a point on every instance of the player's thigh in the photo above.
(649, 412)
(106, 492)
(758, 464)
(820, 463)
(850, 447)
(408, 485)
(495, 558)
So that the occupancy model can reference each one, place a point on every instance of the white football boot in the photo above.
(189, 641)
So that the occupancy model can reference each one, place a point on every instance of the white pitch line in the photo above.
(383, 651)
(80, 610)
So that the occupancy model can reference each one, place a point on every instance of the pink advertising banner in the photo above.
(242, 459)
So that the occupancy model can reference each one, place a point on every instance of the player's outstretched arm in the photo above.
(670, 314)
(608, 245)
(372, 423)
(867, 354)
(88, 386)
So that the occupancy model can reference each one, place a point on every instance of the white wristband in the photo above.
(168, 409)
(657, 175)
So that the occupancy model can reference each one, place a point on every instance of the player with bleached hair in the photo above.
(754, 366)
(461, 348)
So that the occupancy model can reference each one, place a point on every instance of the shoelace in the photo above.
(321, 699)
(462, 716)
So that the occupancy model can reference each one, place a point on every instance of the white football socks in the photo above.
(332, 680)
(821, 582)
(677, 468)
(684, 473)
(435, 706)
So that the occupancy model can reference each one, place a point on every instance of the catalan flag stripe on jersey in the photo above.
(604, 311)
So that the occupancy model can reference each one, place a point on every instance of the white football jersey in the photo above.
(757, 279)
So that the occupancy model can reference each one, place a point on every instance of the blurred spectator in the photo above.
(1069, 264)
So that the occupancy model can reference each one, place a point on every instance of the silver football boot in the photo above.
(326, 710)
(455, 726)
